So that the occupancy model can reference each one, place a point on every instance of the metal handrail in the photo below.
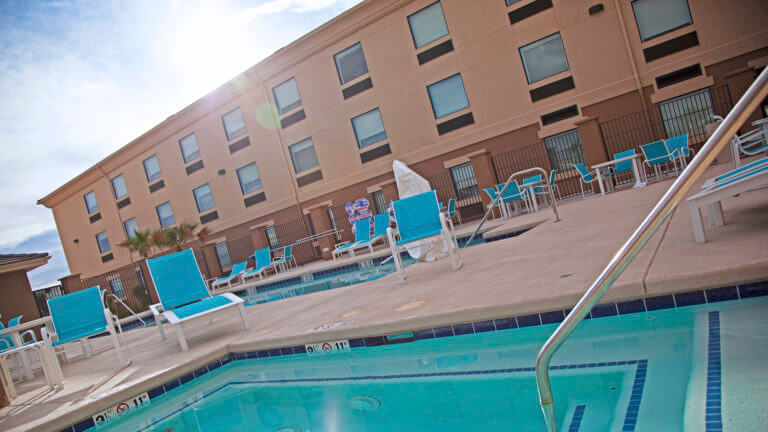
(127, 308)
(501, 193)
(738, 115)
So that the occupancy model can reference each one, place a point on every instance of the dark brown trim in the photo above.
(356, 88)
(198, 165)
(680, 43)
(529, 10)
(561, 114)
(435, 52)
(124, 202)
(552, 89)
(375, 153)
(107, 257)
(677, 76)
(309, 178)
(212, 216)
(154, 187)
(293, 118)
(238, 145)
(455, 123)
(94, 217)
(255, 199)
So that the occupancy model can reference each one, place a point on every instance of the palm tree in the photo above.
(140, 243)
(179, 235)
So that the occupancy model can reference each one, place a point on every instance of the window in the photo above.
(511, 2)
(688, 113)
(103, 242)
(152, 168)
(249, 178)
(234, 125)
(287, 96)
(118, 187)
(303, 155)
(351, 63)
(379, 202)
(165, 214)
(428, 25)
(657, 17)
(336, 232)
(464, 181)
(448, 96)
(204, 198)
(369, 129)
(131, 227)
(222, 253)
(90, 202)
(116, 286)
(564, 150)
(189, 149)
(272, 237)
(544, 58)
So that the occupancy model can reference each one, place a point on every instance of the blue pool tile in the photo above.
(462, 329)
(484, 326)
(252, 354)
(689, 298)
(721, 294)
(240, 356)
(631, 306)
(756, 289)
(552, 317)
(356, 342)
(505, 323)
(186, 378)
(528, 320)
(69, 429)
(84, 425)
(170, 385)
(263, 353)
(659, 302)
(155, 392)
(578, 415)
(604, 310)
(300, 349)
(275, 352)
(375, 341)
(422, 334)
(286, 351)
(226, 359)
(443, 331)
(200, 372)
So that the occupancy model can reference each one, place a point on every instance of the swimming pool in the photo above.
(661, 370)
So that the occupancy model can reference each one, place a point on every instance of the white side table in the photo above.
(50, 363)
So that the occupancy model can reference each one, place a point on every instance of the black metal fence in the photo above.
(130, 284)
(296, 231)
(459, 184)
(684, 114)
(43, 295)
(202, 263)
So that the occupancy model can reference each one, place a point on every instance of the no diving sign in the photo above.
(327, 347)
(121, 409)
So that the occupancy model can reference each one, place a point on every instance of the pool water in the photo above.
(649, 371)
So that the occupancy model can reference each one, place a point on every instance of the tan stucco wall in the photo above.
(16, 297)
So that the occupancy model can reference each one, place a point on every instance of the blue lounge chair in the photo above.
(362, 234)
(418, 217)
(712, 196)
(263, 263)
(380, 225)
(452, 213)
(493, 194)
(680, 144)
(513, 194)
(6, 343)
(734, 172)
(183, 295)
(236, 274)
(81, 314)
(657, 154)
(285, 260)
(542, 190)
(587, 176)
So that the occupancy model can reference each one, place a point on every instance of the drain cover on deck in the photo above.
(412, 305)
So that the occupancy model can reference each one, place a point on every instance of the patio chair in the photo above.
(493, 194)
(81, 314)
(587, 176)
(236, 274)
(183, 296)
(680, 143)
(7, 343)
(380, 225)
(452, 210)
(418, 217)
(621, 167)
(263, 263)
(362, 234)
(657, 154)
(542, 190)
(752, 143)
(734, 172)
(712, 197)
(286, 259)
(513, 194)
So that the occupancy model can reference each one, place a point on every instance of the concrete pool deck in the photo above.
(547, 268)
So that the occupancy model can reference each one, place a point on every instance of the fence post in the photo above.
(322, 223)
(71, 283)
(485, 175)
(592, 143)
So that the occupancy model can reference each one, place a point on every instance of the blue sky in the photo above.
(80, 79)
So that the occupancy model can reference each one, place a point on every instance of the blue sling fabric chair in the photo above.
(362, 235)
(263, 263)
(235, 274)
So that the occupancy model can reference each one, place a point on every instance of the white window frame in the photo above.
(645, 38)
(526, 63)
(88, 208)
(160, 218)
(159, 173)
(240, 178)
(360, 143)
(432, 96)
(291, 106)
(340, 55)
(193, 155)
(106, 239)
(293, 158)
(114, 189)
(415, 16)
(125, 227)
(237, 133)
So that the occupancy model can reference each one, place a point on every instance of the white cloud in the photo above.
(294, 6)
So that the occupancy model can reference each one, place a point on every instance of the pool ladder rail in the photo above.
(119, 301)
(750, 101)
